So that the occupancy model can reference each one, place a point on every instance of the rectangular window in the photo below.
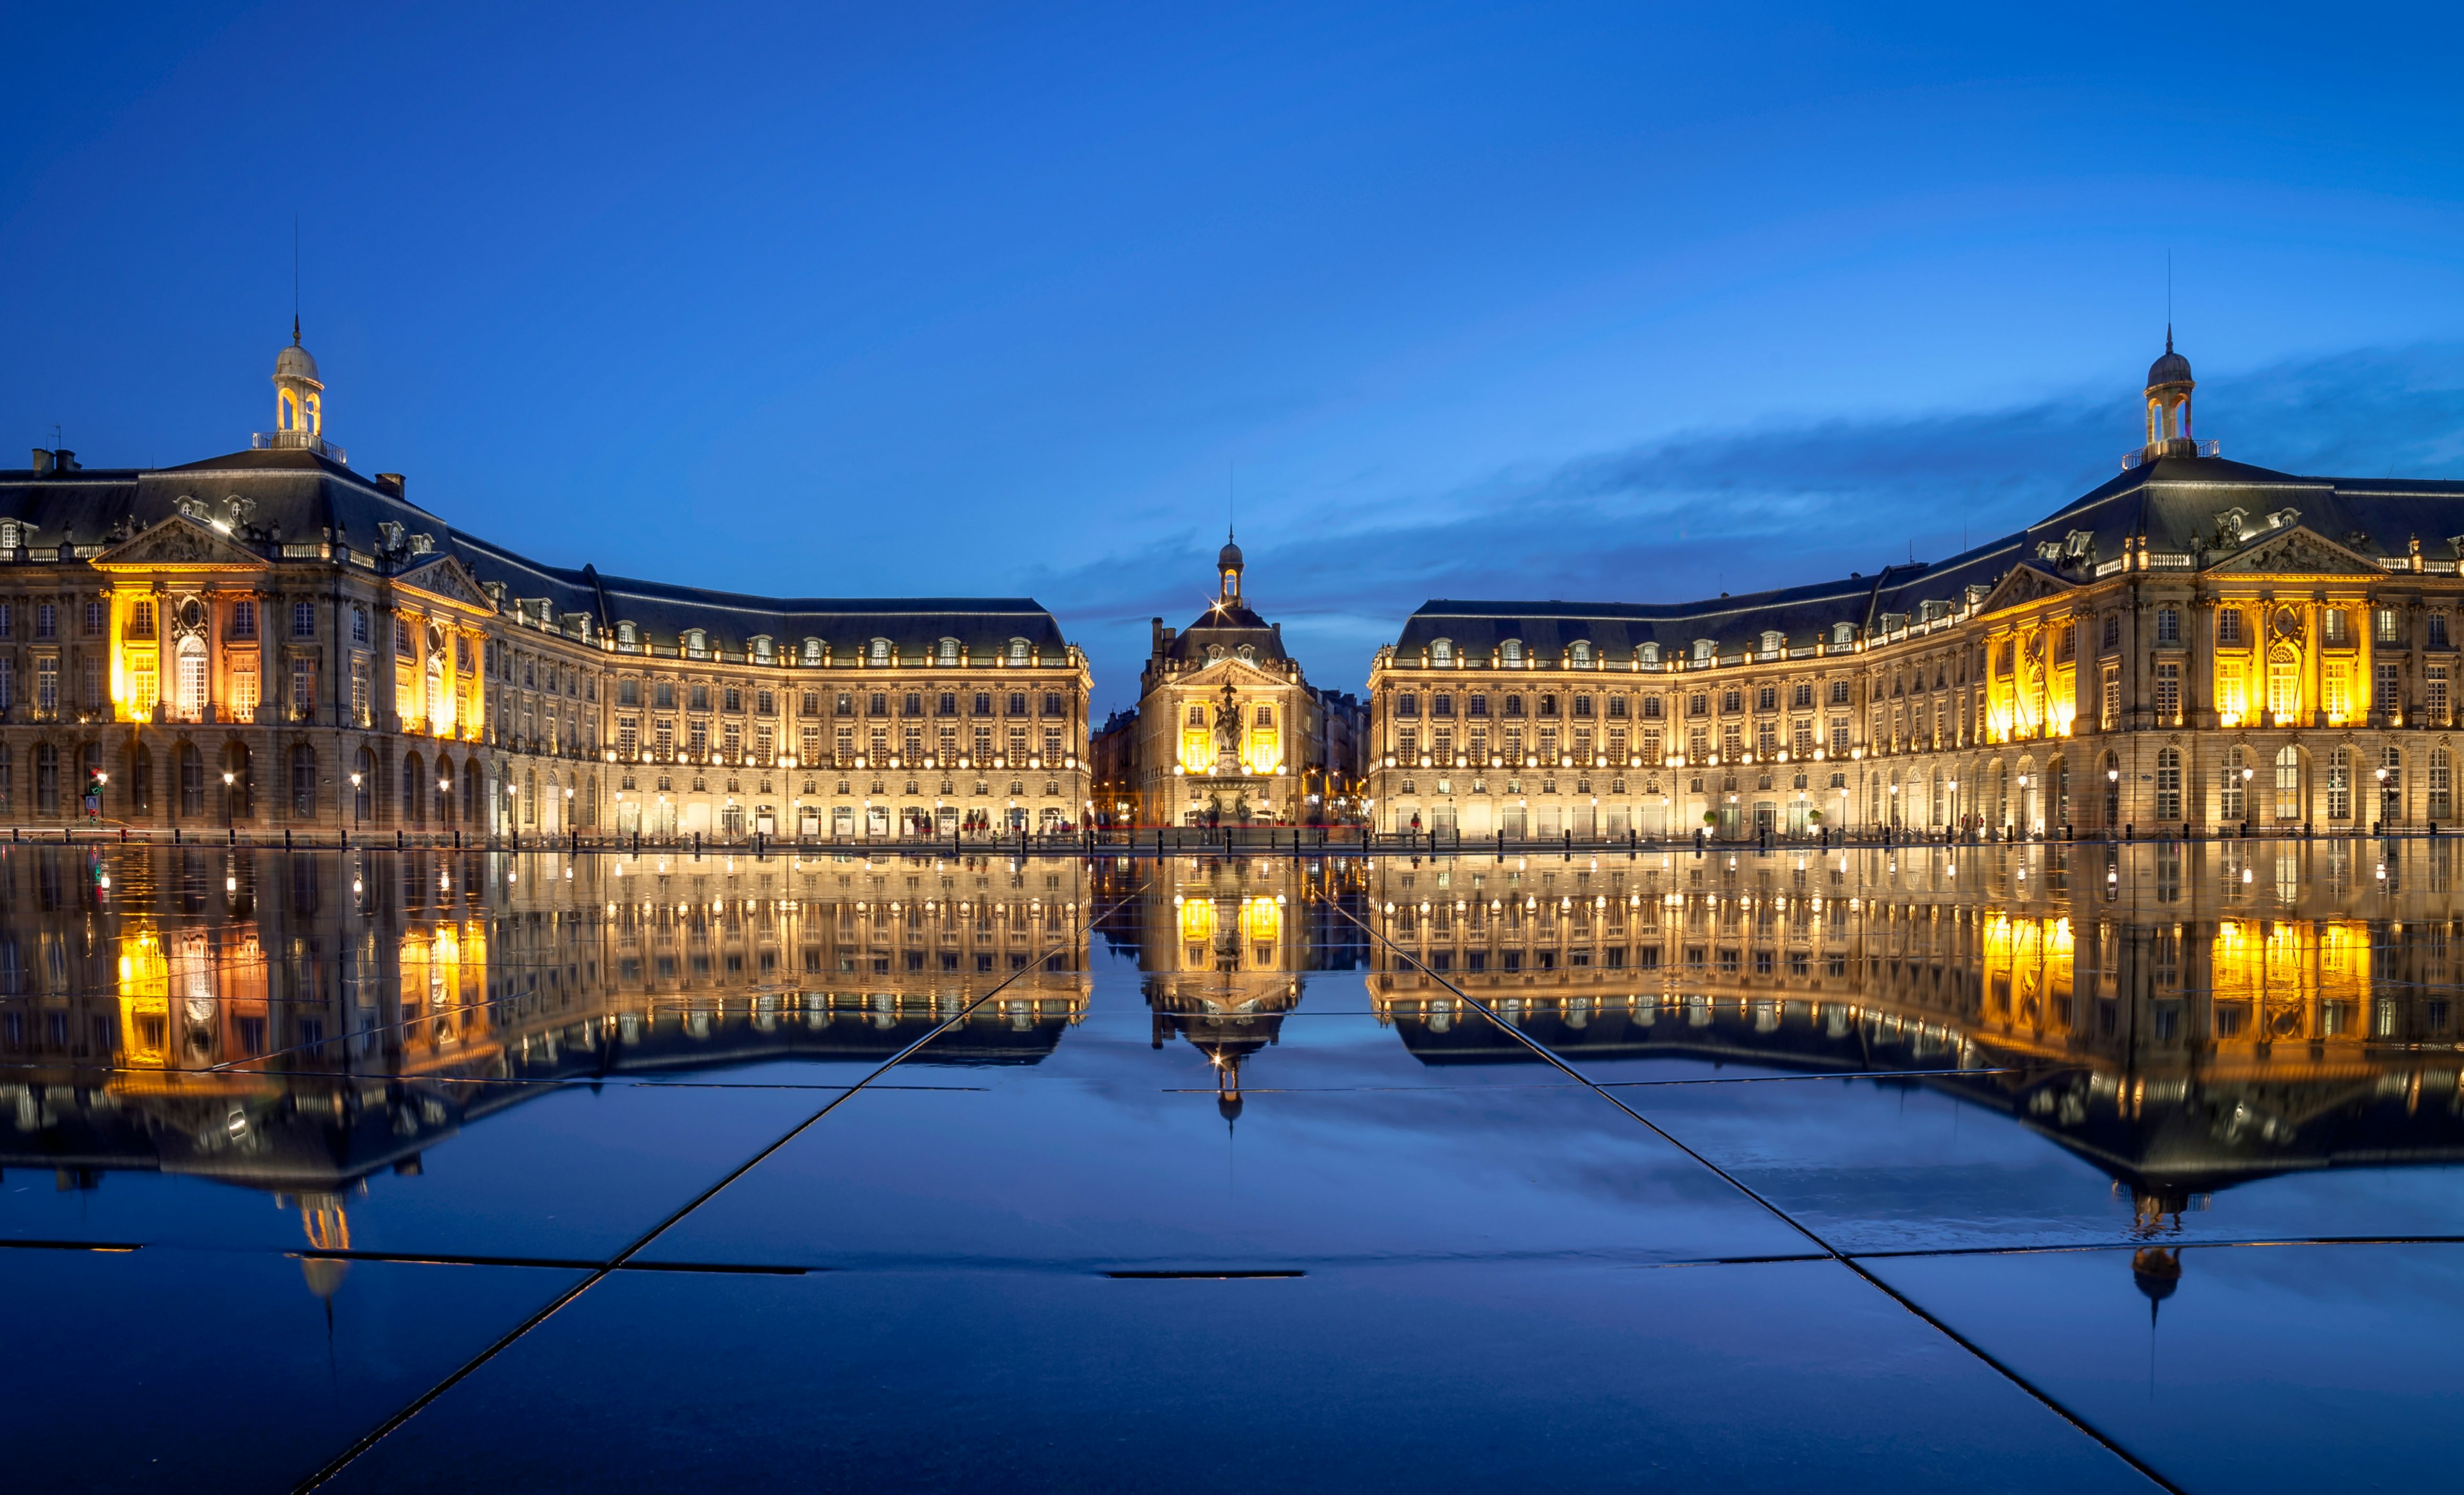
(47, 687)
(243, 690)
(2229, 627)
(144, 688)
(2331, 626)
(2169, 626)
(47, 620)
(402, 645)
(90, 686)
(97, 613)
(2382, 625)
(2385, 700)
(2110, 715)
(2442, 785)
(2433, 694)
(2285, 689)
(243, 619)
(303, 621)
(1838, 735)
(2339, 686)
(2436, 624)
(2168, 691)
(303, 690)
(359, 693)
(663, 737)
(2340, 786)
(629, 736)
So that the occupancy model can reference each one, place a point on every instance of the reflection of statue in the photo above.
(1227, 724)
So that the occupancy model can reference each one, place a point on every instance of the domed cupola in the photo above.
(299, 402)
(2169, 404)
(1228, 567)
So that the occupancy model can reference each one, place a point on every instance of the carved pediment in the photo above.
(2298, 552)
(181, 543)
(446, 576)
(2024, 583)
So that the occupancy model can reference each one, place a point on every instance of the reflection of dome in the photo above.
(1228, 1104)
(2157, 1272)
(2170, 369)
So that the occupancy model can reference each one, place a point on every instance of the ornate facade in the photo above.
(2197, 642)
(1228, 731)
(272, 640)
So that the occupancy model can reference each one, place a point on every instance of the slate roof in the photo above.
(2177, 503)
(300, 495)
(1230, 627)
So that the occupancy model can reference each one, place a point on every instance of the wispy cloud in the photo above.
(1740, 510)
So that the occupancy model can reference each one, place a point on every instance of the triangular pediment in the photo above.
(2022, 585)
(1232, 666)
(447, 578)
(2298, 552)
(181, 543)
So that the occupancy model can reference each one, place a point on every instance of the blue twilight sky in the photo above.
(1622, 301)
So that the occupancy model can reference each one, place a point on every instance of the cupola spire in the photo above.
(2169, 404)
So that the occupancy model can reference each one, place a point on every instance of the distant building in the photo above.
(273, 640)
(2196, 641)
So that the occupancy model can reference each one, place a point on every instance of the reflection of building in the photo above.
(273, 639)
(1223, 959)
(2196, 640)
(1227, 730)
(126, 980)
(2184, 1018)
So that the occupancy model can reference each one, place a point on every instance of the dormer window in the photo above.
(1442, 652)
(761, 649)
(1843, 633)
(12, 536)
(1213, 652)
(877, 651)
(812, 652)
(1247, 652)
(1511, 653)
(628, 636)
(1648, 654)
(947, 651)
(1018, 651)
(1579, 653)
(1773, 641)
(697, 643)
(1704, 650)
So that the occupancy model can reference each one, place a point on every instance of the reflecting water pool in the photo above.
(1950, 1166)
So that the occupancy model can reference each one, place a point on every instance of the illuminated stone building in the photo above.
(273, 639)
(2195, 642)
(1228, 731)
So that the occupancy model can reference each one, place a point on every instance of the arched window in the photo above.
(138, 790)
(303, 781)
(947, 651)
(443, 789)
(1018, 651)
(878, 651)
(2288, 784)
(530, 796)
(697, 643)
(2233, 803)
(626, 635)
(413, 774)
(1579, 653)
(1704, 649)
(762, 651)
(364, 786)
(190, 663)
(1648, 654)
(470, 795)
(2391, 780)
(812, 652)
(2062, 791)
(2168, 785)
(2442, 788)
(47, 779)
(1510, 652)
(2112, 793)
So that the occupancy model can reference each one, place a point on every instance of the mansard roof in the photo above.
(2181, 506)
(296, 496)
(1228, 628)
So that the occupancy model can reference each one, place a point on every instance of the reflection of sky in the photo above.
(1595, 300)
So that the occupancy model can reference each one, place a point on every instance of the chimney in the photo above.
(42, 460)
(66, 459)
(393, 481)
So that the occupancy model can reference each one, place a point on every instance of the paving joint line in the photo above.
(622, 1259)
(1830, 1251)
